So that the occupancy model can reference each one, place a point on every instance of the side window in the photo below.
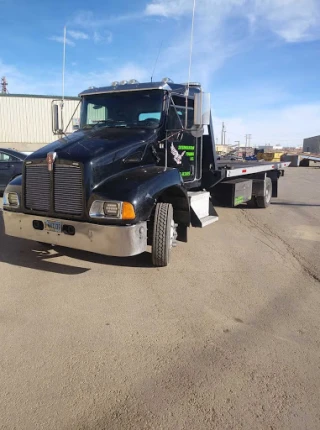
(177, 114)
(96, 113)
(6, 158)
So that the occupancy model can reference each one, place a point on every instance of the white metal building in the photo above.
(26, 120)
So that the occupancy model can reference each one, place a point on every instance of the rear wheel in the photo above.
(164, 234)
(264, 201)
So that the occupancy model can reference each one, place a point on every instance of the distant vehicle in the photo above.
(11, 163)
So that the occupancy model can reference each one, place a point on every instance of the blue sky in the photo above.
(260, 59)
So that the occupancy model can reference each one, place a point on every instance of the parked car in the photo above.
(10, 166)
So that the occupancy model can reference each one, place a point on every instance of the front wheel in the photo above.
(163, 234)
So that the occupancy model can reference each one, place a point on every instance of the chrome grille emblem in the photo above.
(51, 156)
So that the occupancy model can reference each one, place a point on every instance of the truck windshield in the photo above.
(128, 109)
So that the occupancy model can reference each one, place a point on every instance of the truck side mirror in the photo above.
(201, 109)
(56, 129)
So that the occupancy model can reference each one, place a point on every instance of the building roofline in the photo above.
(39, 96)
(312, 137)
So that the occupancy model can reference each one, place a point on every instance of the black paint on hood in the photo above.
(86, 145)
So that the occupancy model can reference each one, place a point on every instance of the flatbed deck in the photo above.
(239, 168)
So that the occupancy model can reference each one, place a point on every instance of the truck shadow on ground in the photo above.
(33, 255)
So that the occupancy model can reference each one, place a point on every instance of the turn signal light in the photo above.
(128, 211)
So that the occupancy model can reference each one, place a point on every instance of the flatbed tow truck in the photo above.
(140, 170)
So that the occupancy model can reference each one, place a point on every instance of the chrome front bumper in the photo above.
(118, 241)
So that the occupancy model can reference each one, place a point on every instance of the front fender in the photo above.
(143, 187)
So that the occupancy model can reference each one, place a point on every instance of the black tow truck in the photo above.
(140, 170)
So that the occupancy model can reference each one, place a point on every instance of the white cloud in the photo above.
(105, 77)
(60, 39)
(77, 35)
(286, 126)
(292, 20)
(87, 19)
(157, 9)
(75, 82)
(225, 28)
(102, 37)
(30, 83)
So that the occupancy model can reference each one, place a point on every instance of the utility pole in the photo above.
(248, 139)
(4, 85)
(223, 134)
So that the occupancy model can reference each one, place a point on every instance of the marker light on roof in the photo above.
(133, 81)
(124, 82)
(114, 83)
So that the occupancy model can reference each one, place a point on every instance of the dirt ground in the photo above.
(226, 337)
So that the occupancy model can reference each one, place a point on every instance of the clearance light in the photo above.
(114, 83)
(124, 82)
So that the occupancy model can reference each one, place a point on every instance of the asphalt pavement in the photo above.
(226, 337)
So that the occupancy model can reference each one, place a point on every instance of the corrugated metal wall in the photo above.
(28, 120)
(312, 144)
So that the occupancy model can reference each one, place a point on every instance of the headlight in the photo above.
(11, 200)
(111, 209)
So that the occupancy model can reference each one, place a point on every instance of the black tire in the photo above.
(264, 201)
(161, 242)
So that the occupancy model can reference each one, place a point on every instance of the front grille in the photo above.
(37, 187)
(67, 189)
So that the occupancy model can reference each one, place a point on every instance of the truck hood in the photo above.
(88, 145)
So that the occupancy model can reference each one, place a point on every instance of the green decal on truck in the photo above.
(238, 200)
(185, 148)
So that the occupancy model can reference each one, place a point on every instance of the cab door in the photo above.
(183, 149)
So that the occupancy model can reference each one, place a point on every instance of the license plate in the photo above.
(54, 226)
